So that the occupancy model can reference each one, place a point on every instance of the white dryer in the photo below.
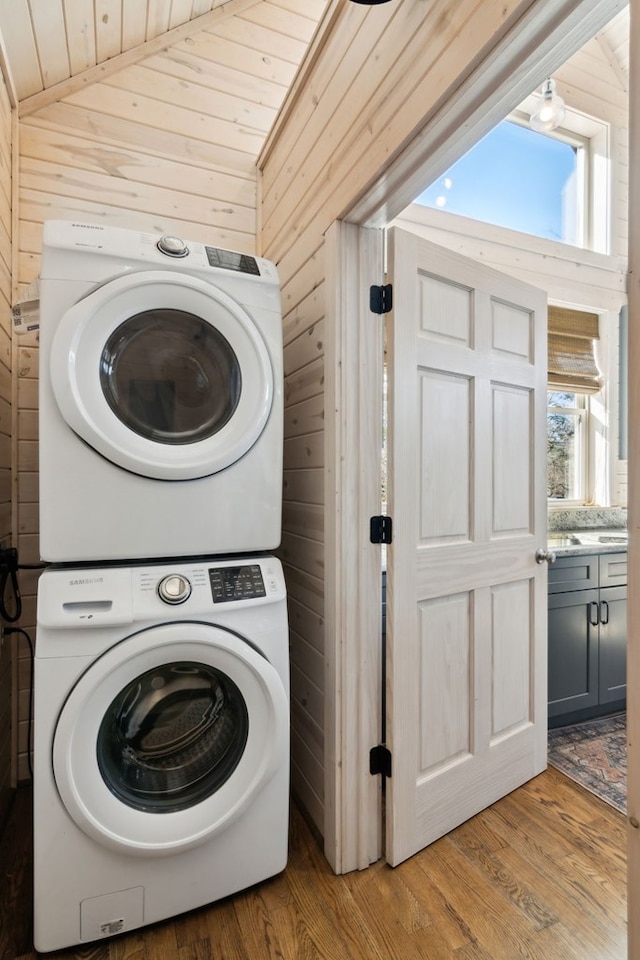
(161, 750)
(160, 430)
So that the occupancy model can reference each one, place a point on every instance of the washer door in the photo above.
(168, 737)
(163, 374)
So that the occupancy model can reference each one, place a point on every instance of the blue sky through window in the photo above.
(515, 178)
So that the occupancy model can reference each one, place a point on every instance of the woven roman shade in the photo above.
(572, 363)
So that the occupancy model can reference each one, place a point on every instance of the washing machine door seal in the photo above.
(86, 783)
(163, 374)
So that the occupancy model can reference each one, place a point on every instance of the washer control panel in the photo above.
(109, 596)
(174, 589)
(243, 582)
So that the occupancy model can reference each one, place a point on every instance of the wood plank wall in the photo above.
(302, 550)
(590, 84)
(5, 432)
(379, 71)
(168, 145)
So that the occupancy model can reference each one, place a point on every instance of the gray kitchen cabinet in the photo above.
(612, 649)
(587, 636)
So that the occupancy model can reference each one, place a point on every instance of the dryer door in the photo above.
(168, 737)
(163, 374)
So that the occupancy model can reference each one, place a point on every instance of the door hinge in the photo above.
(380, 761)
(381, 298)
(380, 529)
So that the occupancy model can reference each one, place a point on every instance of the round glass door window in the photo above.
(172, 737)
(163, 375)
(170, 376)
(169, 736)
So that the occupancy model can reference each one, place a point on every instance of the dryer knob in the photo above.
(173, 246)
(174, 589)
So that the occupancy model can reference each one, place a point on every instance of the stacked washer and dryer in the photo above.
(161, 688)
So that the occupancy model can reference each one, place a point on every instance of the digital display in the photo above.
(236, 583)
(228, 260)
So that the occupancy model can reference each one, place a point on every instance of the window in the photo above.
(571, 362)
(573, 376)
(493, 183)
(566, 446)
(554, 186)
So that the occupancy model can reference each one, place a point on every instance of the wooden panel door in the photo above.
(466, 600)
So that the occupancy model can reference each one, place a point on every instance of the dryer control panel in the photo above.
(229, 260)
(84, 251)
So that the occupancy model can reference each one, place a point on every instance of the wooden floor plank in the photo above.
(589, 926)
(128, 948)
(585, 879)
(191, 928)
(495, 923)
(327, 911)
(590, 908)
(540, 875)
(198, 950)
(589, 878)
(568, 826)
(160, 943)
(261, 926)
(447, 930)
(226, 935)
(385, 932)
(398, 896)
(507, 882)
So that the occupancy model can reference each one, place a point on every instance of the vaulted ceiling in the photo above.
(47, 43)
(614, 40)
(246, 51)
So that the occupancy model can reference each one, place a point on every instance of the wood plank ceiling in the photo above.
(54, 47)
(48, 43)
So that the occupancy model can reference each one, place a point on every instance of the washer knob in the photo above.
(174, 589)
(172, 246)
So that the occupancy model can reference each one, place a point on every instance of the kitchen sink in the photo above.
(562, 540)
(587, 538)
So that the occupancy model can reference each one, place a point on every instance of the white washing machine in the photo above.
(160, 429)
(161, 750)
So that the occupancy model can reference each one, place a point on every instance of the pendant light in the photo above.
(550, 111)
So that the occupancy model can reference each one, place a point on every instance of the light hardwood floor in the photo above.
(540, 875)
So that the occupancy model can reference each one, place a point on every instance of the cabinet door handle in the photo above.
(604, 612)
(594, 614)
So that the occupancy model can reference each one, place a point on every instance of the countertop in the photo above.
(572, 543)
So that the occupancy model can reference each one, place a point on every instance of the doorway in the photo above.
(444, 137)
(443, 214)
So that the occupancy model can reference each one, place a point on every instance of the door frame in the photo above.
(354, 356)
(541, 41)
(633, 499)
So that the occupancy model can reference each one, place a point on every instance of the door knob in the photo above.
(543, 555)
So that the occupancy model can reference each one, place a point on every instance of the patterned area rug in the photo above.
(594, 754)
